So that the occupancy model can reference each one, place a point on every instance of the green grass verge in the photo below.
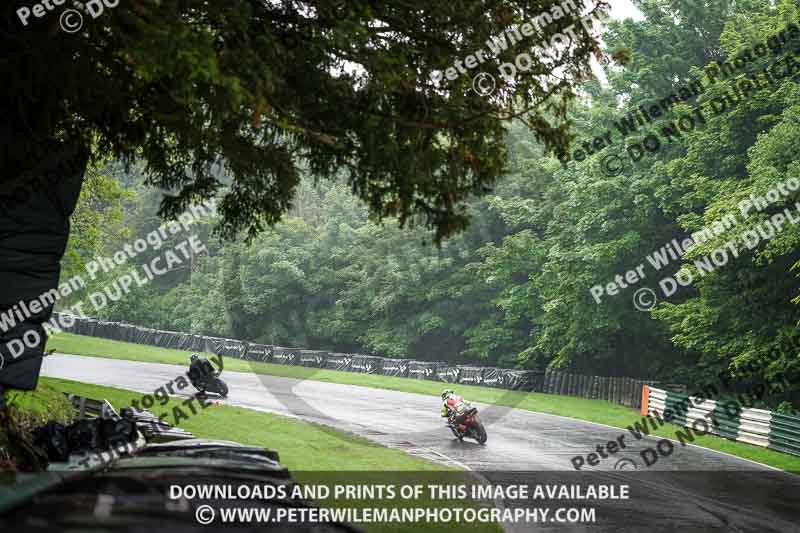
(303, 447)
(601, 412)
(27, 411)
(43, 404)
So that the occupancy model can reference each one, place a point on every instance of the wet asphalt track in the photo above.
(693, 489)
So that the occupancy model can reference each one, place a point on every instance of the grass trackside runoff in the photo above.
(601, 412)
(304, 447)
(28, 410)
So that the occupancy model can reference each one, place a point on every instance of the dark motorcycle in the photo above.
(467, 424)
(208, 381)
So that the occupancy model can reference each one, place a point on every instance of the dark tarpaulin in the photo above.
(470, 375)
(157, 335)
(183, 342)
(162, 338)
(180, 341)
(339, 361)
(213, 345)
(198, 343)
(526, 380)
(366, 364)
(83, 326)
(113, 330)
(446, 373)
(172, 340)
(145, 336)
(422, 370)
(106, 330)
(285, 356)
(312, 358)
(395, 367)
(128, 333)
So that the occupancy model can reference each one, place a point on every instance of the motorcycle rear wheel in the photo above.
(480, 433)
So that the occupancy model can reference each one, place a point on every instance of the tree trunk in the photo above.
(35, 205)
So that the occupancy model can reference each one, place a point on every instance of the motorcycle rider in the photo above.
(450, 403)
(205, 377)
(200, 367)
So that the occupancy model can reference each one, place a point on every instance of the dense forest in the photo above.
(702, 111)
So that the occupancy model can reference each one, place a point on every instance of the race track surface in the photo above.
(518, 441)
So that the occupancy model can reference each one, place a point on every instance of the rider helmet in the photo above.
(193, 357)
(446, 393)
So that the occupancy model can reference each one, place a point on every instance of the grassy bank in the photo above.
(601, 412)
(303, 447)
(24, 412)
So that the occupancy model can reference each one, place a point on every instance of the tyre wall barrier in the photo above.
(727, 419)
(285, 356)
(366, 364)
(422, 370)
(395, 367)
(339, 361)
(624, 391)
(447, 373)
(470, 375)
(312, 358)
(258, 352)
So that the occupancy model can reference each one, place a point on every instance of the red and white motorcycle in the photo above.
(466, 423)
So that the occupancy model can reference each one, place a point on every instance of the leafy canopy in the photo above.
(256, 90)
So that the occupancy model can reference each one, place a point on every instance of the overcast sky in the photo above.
(622, 9)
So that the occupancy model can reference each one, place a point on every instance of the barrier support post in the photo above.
(645, 398)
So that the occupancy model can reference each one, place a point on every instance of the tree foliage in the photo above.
(257, 90)
(514, 288)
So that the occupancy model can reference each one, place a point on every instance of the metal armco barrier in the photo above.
(624, 391)
(727, 419)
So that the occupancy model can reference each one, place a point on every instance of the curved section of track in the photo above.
(518, 440)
